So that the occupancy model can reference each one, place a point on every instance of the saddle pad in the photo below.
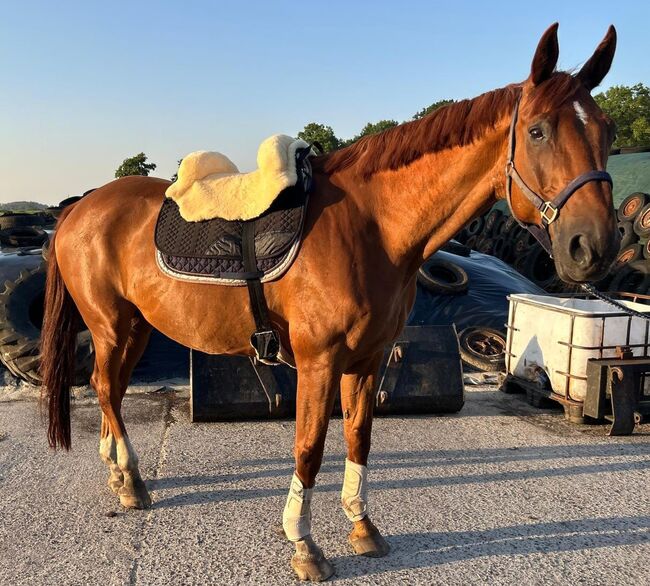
(211, 250)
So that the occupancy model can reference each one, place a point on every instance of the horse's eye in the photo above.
(536, 133)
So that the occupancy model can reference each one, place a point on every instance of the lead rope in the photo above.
(607, 299)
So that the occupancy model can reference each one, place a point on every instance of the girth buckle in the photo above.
(549, 213)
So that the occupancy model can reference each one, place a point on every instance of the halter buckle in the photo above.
(549, 213)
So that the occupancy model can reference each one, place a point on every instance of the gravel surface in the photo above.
(499, 494)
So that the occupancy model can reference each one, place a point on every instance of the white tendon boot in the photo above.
(308, 561)
(354, 495)
(296, 518)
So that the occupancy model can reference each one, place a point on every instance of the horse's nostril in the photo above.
(579, 250)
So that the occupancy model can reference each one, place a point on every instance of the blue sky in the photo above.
(86, 84)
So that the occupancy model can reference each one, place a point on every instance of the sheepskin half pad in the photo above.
(210, 186)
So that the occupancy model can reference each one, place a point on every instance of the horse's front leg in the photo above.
(357, 401)
(318, 383)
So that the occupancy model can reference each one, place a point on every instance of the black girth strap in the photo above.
(265, 340)
(548, 209)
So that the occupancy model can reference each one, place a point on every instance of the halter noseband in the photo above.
(549, 210)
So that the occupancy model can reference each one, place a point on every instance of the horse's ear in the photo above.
(546, 55)
(595, 70)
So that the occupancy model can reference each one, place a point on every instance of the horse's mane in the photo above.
(456, 124)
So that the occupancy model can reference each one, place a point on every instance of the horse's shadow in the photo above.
(425, 550)
(282, 468)
(411, 551)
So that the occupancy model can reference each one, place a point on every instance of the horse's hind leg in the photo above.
(108, 453)
(135, 346)
(116, 352)
(357, 400)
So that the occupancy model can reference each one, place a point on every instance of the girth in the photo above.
(265, 340)
(549, 209)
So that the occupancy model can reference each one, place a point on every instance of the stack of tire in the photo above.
(22, 297)
(631, 270)
(500, 235)
(24, 230)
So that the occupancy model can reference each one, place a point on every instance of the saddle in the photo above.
(239, 252)
(210, 186)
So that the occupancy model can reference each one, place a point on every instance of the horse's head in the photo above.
(561, 135)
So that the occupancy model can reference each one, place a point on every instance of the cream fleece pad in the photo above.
(210, 186)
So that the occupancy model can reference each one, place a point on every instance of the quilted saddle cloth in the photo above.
(211, 250)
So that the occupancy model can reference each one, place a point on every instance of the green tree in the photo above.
(174, 177)
(136, 165)
(629, 106)
(439, 104)
(324, 135)
(371, 128)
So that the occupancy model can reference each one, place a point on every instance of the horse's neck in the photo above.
(421, 206)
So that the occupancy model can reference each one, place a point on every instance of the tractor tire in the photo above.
(26, 236)
(491, 221)
(498, 246)
(500, 226)
(628, 235)
(626, 255)
(540, 268)
(471, 242)
(475, 227)
(443, 277)
(642, 222)
(21, 317)
(631, 206)
(509, 225)
(486, 245)
(17, 220)
(524, 242)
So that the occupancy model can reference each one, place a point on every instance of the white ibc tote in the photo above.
(560, 334)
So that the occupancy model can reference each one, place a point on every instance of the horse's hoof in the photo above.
(134, 495)
(309, 563)
(365, 539)
(115, 484)
(372, 546)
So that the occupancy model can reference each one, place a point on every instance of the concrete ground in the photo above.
(499, 494)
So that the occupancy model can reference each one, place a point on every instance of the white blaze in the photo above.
(580, 111)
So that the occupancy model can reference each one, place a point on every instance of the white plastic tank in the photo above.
(561, 334)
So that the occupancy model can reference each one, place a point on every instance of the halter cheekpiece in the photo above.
(549, 209)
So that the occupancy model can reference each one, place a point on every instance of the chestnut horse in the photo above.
(379, 208)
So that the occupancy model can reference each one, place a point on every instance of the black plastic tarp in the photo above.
(485, 303)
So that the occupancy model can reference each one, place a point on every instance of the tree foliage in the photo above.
(439, 104)
(372, 128)
(174, 177)
(136, 165)
(629, 106)
(324, 135)
(315, 132)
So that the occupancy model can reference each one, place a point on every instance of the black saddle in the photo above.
(212, 250)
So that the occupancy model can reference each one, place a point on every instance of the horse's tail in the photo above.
(58, 347)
